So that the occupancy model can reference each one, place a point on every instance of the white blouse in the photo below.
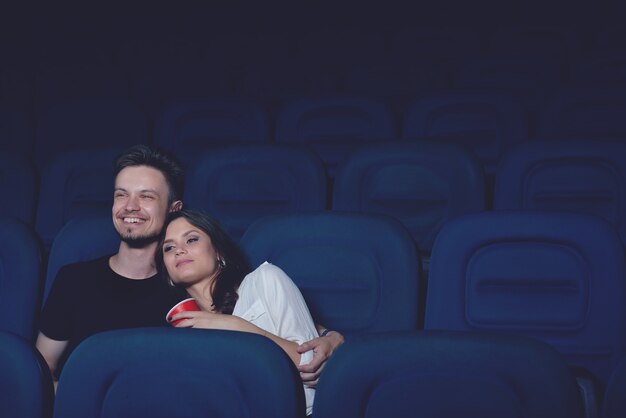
(269, 299)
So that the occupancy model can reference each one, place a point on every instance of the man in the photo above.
(124, 290)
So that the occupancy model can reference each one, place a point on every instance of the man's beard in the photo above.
(138, 241)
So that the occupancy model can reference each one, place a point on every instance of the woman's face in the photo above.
(188, 253)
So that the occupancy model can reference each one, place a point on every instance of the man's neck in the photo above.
(134, 263)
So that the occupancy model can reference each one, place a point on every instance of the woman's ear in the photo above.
(176, 206)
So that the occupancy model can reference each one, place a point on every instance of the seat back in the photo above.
(357, 272)
(240, 184)
(554, 276)
(186, 127)
(578, 176)
(26, 383)
(446, 374)
(20, 278)
(167, 372)
(485, 123)
(75, 184)
(80, 240)
(421, 183)
(334, 126)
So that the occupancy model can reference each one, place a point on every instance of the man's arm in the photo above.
(51, 350)
(323, 347)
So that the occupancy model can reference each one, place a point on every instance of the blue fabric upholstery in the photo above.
(334, 125)
(421, 183)
(575, 176)
(80, 240)
(486, 123)
(445, 374)
(240, 184)
(554, 276)
(614, 404)
(75, 184)
(186, 127)
(357, 272)
(25, 380)
(20, 278)
(167, 372)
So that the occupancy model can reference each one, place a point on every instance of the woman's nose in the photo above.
(180, 251)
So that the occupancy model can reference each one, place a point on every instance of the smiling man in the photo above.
(124, 290)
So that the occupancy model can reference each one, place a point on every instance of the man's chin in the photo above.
(138, 241)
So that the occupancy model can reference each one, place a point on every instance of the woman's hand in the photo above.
(208, 320)
(323, 348)
(212, 320)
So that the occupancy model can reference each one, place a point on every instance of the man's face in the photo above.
(140, 204)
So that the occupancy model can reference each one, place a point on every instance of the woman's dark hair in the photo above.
(225, 285)
(158, 159)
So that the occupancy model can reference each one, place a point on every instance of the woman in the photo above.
(200, 256)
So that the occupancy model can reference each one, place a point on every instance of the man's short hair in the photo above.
(163, 161)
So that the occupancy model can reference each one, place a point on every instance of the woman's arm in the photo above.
(212, 320)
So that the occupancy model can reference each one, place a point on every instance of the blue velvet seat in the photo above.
(186, 127)
(554, 276)
(575, 176)
(240, 184)
(75, 184)
(20, 278)
(80, 239)
(26, 383)
(168, 372)
(483, 122)
(358, 273)
(446, 374)
(334, 126)
(421, 183)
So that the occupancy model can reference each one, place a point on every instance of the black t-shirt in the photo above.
(89, 297)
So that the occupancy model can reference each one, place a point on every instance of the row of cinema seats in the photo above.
(554, 277)
(486, 122)
(422, 183)
(191, 373)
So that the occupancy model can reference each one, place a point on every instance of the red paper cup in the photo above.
(184, 305)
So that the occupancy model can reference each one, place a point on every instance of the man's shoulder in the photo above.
(96, 264)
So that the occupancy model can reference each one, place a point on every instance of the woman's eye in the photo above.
(167, 248)
(192, 239)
